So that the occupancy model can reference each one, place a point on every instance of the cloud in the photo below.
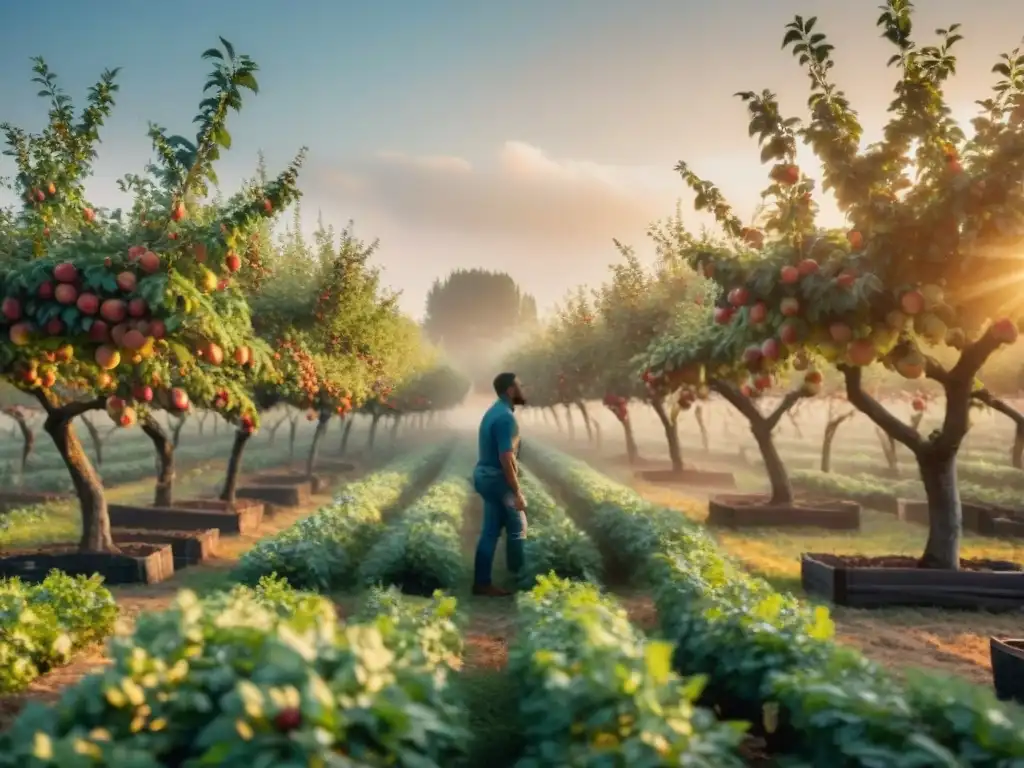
(523, 193)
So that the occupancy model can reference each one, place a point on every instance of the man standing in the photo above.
(496, 479)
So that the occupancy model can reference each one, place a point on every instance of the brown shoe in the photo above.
(490, 591)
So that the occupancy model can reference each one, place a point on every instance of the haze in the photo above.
(518, 137)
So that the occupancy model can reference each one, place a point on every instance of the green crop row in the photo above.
(593, 692)
(770, 659)
(867, 489)
(42, 625)
(323, 551)
(554, 543)
(260, 677)
(421, 551)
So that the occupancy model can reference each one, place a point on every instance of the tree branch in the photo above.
(792, 398)
(974, 356)
(875, 411)
(1000, 406)
(736, 399)
(68, 411)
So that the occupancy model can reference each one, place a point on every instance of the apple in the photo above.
(932, 328)
(149, 262)
(179, 399)
(48, 379)
(233, 262)
(752, 354)
(115, 404)
(128, 417)
(113, 310)
(855, 238)
(807, 267)
(199, 251)
(66, 293)
(912, 302)
(789, 274)
(11, 308)
(103, 380)
(723, 315)
(99, 331)
(758, 313)
(213, 354)
(178, 212)
(138, 307)
(66, 272)
(786, 173)
(51, 189)
(127, 281)
(45, 290)
(846, 279)
(811, 389)
(813, 377)
(157, 329)
(896, 320)
(752, 237)
(770, 349)
(840, 332)
(789, 333)
(208, 282)
(861, 352)
(1004, 331)
(933, 295)
(135, 252)
(763, 382)
(64, 354)
(88, 304)
(118, 332)
(143, 393)
(54, 326)
(267, 205)
(917, 404)
(789, 307)
(107, 358)
(133, 340)
(739, 296)
(745, 390)
(88, 214)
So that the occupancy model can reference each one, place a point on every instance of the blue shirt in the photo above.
(499, 433)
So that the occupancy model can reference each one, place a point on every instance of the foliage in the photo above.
(594, 691)
(760, 648)
(422, 550)
(437, 388)
(474, 305)
(323, 551)
(261, 676)
(555, 544)
(42, 625)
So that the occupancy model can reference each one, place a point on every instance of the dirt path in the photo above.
(134, 600)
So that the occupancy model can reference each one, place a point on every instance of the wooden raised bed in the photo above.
(1008, 668)
(336, 466)
(11, 500)
(895, 580)
(1007, 527)
(280, 490)
(187, 547)
(977, 518)
(138, 563)
(688, 476)
(240, 517)
(755, 511)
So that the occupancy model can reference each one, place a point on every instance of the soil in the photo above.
(901, 561)
(216, 505)
(800, 501)
(131, 549)
(171, 533)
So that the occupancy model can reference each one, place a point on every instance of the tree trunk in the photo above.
(28, 441)
(96, 438)
(394, 428)
(632, 453)
(796, 426)
(293, 428)
(345, 433)
(201, 420)
(1017, 452)
(321, 428)
(558, 421)
(674, 453)
(165, 462)
(888, 451)
(216, 424)
(945, 512)
(234, 465)
(273, 430)
(373, 431)
(782, 491)
(597, 434)
(569, 424)
(698, 414)
(544, 415)
(586, 420)
(96, 534)
(831, 428)
(176, 433)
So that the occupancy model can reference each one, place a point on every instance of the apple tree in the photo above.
(930, 257)
(120, 311)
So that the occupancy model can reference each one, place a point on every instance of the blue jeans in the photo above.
(499, 513)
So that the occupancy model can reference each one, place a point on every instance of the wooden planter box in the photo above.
(1008, 668)
(11, 500)
(315, 482)
(978, 518)
(859, 583)
(688, 476)
(286, 494)
(187, 547)
(138, 563)
(1008, 528)
(754, 511)
(335, 466)
(242, 517)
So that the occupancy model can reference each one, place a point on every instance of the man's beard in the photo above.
(518, 400)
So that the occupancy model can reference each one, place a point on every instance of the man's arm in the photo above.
(505, 430)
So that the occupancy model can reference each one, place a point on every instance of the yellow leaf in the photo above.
(42, 747)
(658, 657)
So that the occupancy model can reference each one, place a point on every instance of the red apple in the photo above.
(118, 332)
(199, 249)
(54, 326)
(789, 274)
(739, 296)
(143, 393)
(267, 206)
(157, 329)
(807, 267)
(66, 272)
(128, 417)
(752, 354)
(770, 349)
(179, 399)
(127, 281)
(789, 307)
(11, 308)
(861, 352)
(45, 290)
(213, 354)
(135, 252)
(138, 307)
(108, 359)
(1004, 331)
(758, 313)
(133, 340)
(846, 279)
(88, 214)
(789, 333)
(242, 355)
(88, 303)
(113, 310)
(723, 315)
(912, 302)
(855, 238)
(66, 293)
(840, 332)
(178, 212)
(149, 262)
(99, 331)
(917, 404)
(233, 262)
(813, 377)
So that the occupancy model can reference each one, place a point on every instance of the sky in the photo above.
(517, 136)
